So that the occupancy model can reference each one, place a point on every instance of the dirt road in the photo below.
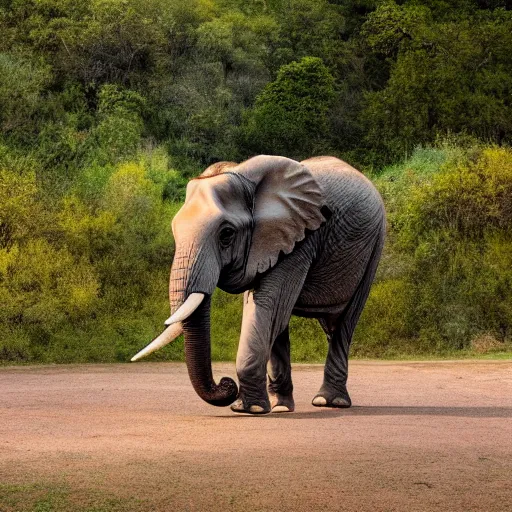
(421, 436)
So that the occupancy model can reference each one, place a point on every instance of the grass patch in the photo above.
(45, 497)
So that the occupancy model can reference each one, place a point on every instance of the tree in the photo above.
(445, 77)
(290, 116)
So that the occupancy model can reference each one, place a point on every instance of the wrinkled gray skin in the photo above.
(298, 238)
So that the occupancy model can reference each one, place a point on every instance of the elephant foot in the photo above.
(240, 407)
(332, 398)
(280, 403)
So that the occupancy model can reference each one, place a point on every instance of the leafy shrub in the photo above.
(72, 273)
(290, 114)
(21, 85)
(17, 202)
(450, 248)
(120, 123)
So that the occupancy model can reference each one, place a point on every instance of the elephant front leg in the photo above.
(280, 387)
(267, 312)
(251, 359)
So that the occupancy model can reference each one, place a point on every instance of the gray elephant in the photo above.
(298, 238)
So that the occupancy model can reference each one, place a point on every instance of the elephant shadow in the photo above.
(393, 410)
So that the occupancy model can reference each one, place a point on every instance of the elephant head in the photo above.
(235, 222)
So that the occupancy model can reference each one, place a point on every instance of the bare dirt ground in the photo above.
(420, 437)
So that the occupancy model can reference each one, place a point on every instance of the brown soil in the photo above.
(421, 436)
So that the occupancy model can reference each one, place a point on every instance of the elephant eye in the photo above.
(226, 236)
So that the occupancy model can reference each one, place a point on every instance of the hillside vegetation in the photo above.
(108, 107)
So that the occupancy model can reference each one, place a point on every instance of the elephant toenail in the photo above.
(281, 408)
(319, 400)
(237, 406)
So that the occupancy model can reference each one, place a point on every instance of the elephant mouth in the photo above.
(233, 277)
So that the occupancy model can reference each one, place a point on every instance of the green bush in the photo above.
(445, 278)
(290, 115)
(85, 278)
(21, 86)
(72, 273)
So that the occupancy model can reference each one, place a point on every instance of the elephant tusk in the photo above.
(170, 334)
(186, 309)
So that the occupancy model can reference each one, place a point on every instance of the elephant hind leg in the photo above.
(280, 387)
(333, 392)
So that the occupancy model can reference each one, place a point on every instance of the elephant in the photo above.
(301, 238)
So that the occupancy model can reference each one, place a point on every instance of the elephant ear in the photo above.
(287, 201)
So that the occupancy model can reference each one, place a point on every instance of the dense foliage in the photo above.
(107, 107)
(446, 279)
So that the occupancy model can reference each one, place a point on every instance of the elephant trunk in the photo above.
(197, 272)
(196, 329)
